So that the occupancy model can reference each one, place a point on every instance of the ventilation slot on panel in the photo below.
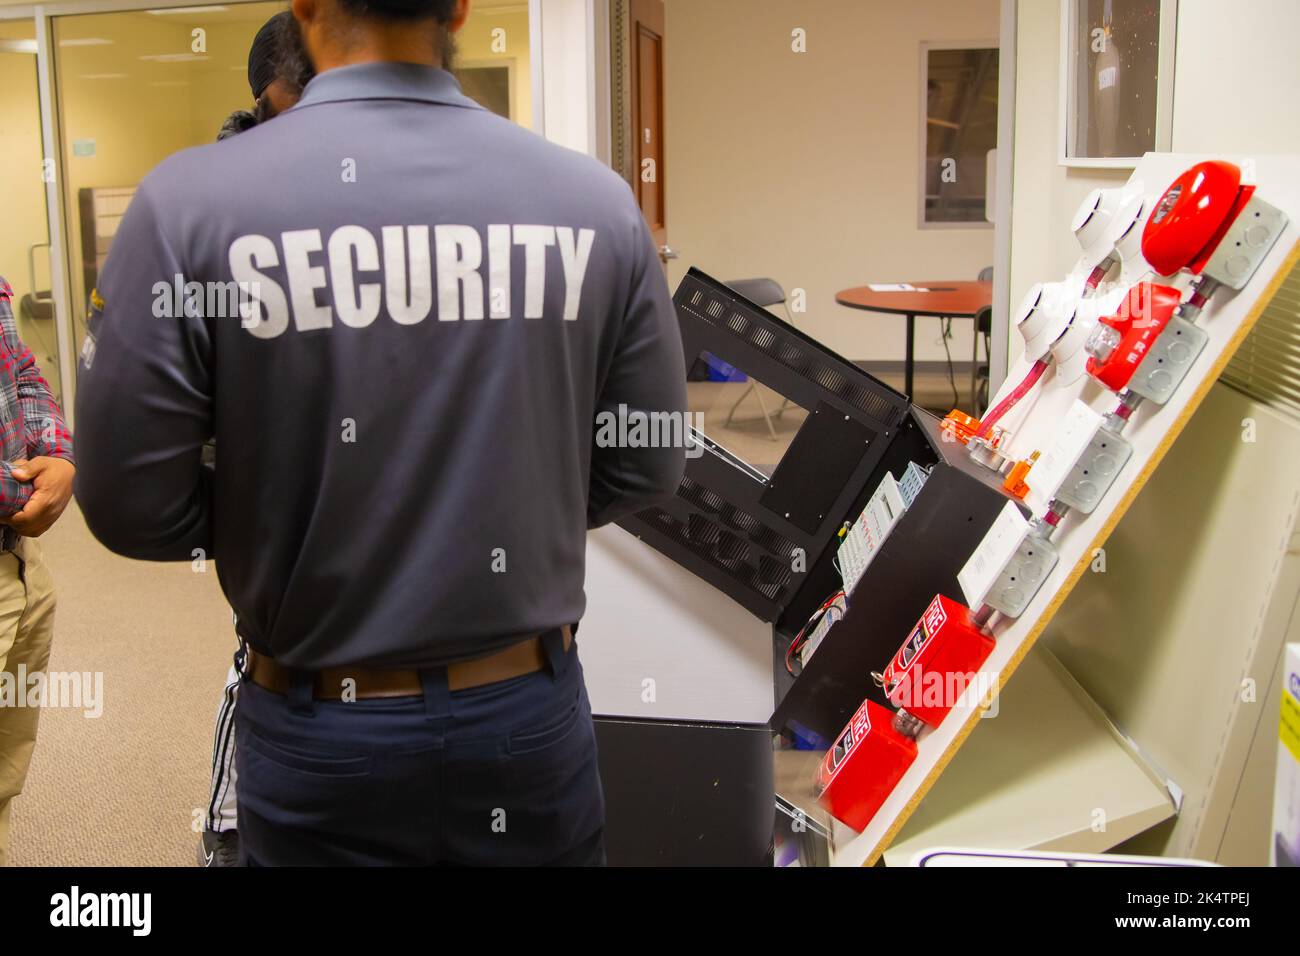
(661, 520)
(873, 405)
(767, 587)
(830, 380)
(741, 520)
(773, 573)
(703, 532)
(737, 323)
(762, 338)
(699, 496)
(793, 358)
(777, 544)
(732, 550)
(722, 549)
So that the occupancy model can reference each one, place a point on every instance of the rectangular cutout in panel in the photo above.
(744, 417)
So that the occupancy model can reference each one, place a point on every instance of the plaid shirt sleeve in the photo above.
(13, 493)
(45, 432)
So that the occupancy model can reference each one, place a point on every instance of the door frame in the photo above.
(567, 88)
(1000, 324)
(54, 209)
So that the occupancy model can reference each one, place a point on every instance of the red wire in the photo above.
(1020, 391)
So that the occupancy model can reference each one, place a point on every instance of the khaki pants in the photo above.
(26, 628)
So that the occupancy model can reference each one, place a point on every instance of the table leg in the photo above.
(908, 365)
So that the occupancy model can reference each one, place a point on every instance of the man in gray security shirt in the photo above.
(399, 315)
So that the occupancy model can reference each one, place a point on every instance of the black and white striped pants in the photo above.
(222, 813)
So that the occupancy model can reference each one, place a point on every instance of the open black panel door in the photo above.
(750, 535)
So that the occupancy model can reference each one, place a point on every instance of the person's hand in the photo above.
(51, 480)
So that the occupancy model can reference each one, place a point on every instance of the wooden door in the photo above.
(645, 46)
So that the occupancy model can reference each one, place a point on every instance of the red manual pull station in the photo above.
(863, 766)
(937, 664)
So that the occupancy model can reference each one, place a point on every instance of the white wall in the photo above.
(1237, 76)
(805, 167)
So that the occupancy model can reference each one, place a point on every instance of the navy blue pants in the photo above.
(503, 774)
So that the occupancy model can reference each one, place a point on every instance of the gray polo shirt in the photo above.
(399, 315)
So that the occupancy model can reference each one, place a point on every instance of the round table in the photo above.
(945, 299)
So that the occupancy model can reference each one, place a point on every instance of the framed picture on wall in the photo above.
(959, 134)
(1117, 80)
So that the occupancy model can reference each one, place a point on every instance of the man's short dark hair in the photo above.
(440, 10)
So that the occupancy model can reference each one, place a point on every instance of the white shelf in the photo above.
(1049, 772)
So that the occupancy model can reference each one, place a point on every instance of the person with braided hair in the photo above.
(278, 70)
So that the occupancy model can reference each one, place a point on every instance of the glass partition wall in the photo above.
(129, 87)
(25, 238)
(133, 88)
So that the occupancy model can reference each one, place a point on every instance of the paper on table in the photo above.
(893, 287)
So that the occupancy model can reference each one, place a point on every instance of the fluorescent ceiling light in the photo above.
(86, 41)
(173, 11)
(171, 83)
(174, 57)
(103, 76)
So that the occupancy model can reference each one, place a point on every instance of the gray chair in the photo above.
(765, 293)
(983, 329)
(979, 374)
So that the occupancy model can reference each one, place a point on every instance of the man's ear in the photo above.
(308, 13)
(458, 17)
(304, 11)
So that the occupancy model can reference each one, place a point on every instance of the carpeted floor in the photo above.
(124, 788)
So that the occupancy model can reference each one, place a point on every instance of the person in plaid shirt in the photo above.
(36, 472)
